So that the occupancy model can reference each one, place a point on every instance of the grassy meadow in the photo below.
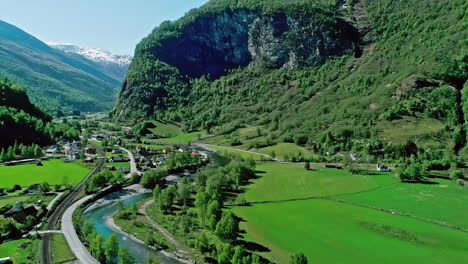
(20, 251)
(60, 250)
(54, 172)
(25, 199)
(183, 138)
(333, 232)
(242, 154)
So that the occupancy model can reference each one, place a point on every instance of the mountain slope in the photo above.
(54, 78)
(335, 77)
(113, 65)
(20, 121)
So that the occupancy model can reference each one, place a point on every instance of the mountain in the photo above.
(21, 121)
(113, 65)
(363, 75)
(54, 78)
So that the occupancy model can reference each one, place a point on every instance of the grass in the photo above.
(25, 199)
(54, 172)
(330, 232)
(400, 131)
(242, 154)
(21, 251)
(291, 181)
(283, 149)
(441, 202)
(183, 138)
(117, 165)
(60, 250)
(168, 129)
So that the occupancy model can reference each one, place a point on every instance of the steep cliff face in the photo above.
(214, 44)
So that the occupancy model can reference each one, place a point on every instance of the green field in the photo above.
(25, 199)
(54, 172)
(183, 138)
(400, 131)
(60, 250)
(291, 181)
(283, 149)
(332, 232)
(21, 251)
(243, 154)
(117, 165)
(161, 129)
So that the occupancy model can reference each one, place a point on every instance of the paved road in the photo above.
(51, 204)
(81, 253)
(45, 249)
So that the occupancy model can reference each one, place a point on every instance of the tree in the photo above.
(228, 227)
(298, 258)
(2, 155)
(8, 228)
(201, 203)
(238, 255)
(111, 248)
(307, 165)
(184, 190)
(97, 248)
(224, 253)
(44, 187)
(156, 193)
(214, 209)
(37, 151)
(202, 243)
(125, 257)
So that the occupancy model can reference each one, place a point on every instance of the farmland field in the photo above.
(163, 129)
(25, 199)
(21, 251)
(60, 249)
(243, 154)
(283, 149)
(183, 138)
(54, 172)
(321, 228)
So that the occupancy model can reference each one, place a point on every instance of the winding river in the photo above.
(104, 208)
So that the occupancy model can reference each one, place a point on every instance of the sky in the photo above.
(113, 25)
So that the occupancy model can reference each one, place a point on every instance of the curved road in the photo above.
(68, 230)
(45, 249)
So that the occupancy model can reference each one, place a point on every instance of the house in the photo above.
(382, 168)
(89, 160)
(5, 260)
(150, 136)
(116, 159)
(75, 155)
(116, 150)
(34, 188)
(110, 167)
(19, 212)
(89, 151)
(183, 148)
(166, 150)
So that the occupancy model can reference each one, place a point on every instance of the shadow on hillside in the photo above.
(432, 176)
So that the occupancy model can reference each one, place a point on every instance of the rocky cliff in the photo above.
(213, 44)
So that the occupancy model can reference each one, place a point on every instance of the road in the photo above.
(45, 249)
(68, 229)
(208, 148)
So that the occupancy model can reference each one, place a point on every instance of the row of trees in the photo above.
(20, 152)
(105, 251)
(102, 179)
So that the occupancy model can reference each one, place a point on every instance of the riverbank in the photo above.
(123, 194)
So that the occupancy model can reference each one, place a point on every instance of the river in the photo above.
(99, 214)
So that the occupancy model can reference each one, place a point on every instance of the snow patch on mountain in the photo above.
(94, 54)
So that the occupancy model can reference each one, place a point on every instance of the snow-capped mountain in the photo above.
(94, 54)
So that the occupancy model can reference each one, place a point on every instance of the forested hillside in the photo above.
(332, 75)
(23, 123)
(54, 78)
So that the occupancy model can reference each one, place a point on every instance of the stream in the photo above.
(104, 208)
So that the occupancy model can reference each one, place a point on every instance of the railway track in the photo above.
(54, 218)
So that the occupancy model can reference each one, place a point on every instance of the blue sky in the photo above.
(114, 25)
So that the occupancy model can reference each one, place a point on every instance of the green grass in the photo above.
(291, 181)
(25, 199)
(321, 228)
(400, 131)
(21, 251)
(283, 149)
(183, 138)
(168, 129)
(54, 172)
(242, 154)
(442, 202)
(117, 165)
(330, 232)
(60, 250)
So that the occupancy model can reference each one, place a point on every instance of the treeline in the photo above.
(105, 251)
(102, 179)
(20, 151)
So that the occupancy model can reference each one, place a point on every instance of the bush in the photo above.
(457, 175)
